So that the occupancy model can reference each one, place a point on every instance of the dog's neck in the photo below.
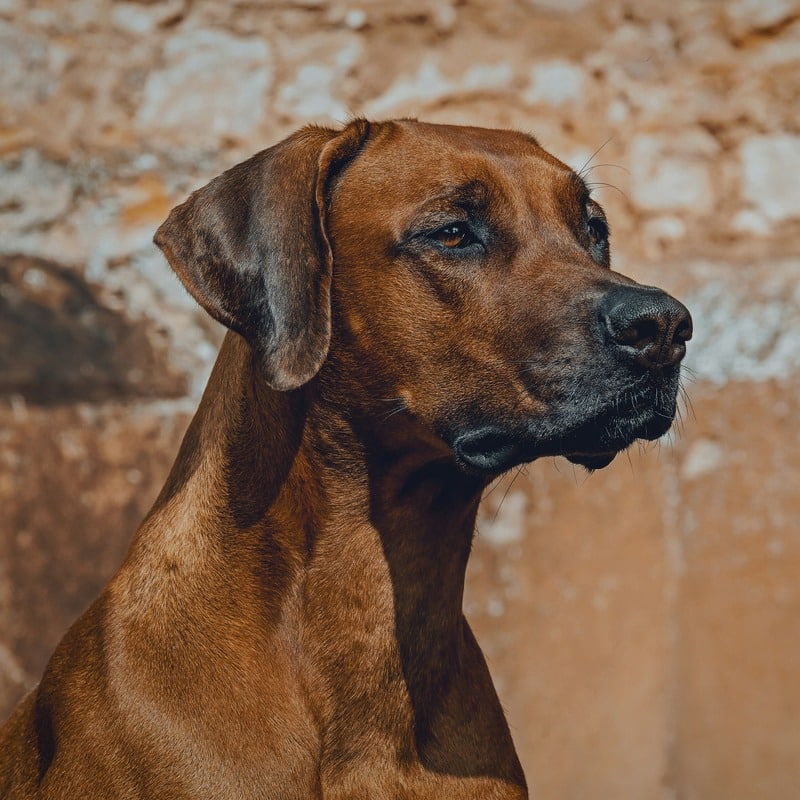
(382, 541)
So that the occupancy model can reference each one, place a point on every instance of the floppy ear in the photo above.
(251, 248)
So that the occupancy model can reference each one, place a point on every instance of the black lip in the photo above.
(641, 411)
(488, 449)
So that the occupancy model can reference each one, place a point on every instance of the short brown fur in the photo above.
(288, 622)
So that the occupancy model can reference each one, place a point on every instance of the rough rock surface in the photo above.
(641, 623)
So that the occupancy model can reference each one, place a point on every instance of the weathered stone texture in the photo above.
(642, 623)
(767, 162)
(199, 64)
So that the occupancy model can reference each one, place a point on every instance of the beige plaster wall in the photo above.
(642, 623)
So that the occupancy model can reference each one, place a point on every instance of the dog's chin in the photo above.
(594, 452)
(490, 450)
(475, 456)
(591, 461)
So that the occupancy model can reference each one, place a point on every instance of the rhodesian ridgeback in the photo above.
(413, 310)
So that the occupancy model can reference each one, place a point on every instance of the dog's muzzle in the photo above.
(627, 391)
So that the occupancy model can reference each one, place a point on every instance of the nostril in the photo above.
(684, 330)
(647, 325)
(641, 334)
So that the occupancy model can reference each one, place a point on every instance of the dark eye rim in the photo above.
(468, 241)
(597, 229)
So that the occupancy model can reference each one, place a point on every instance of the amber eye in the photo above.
(598, 230)
(455, 235)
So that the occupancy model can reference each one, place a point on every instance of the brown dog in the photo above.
(415, 309)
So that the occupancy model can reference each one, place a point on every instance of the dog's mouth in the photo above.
(491, 451)
(643, 411)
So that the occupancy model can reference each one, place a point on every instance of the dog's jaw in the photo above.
(590, 433)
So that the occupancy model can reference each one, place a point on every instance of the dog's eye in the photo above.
(455, 235)
(597, 229)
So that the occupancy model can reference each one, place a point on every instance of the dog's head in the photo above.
(459, 275)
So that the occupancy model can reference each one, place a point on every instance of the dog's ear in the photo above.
(251, 248)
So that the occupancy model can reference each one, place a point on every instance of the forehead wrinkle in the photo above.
(473, 195)
(501, 176)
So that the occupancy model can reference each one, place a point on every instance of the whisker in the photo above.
(587, 170)
(688, 374)
(591, 157)
(493, 485)
(505, 494)
(400, 405)
(630, 460)
(595, 184)
(678, 425)
(688, 402)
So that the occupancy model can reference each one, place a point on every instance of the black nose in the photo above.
(647, 325)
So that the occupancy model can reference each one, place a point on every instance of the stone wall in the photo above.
(642, 623)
